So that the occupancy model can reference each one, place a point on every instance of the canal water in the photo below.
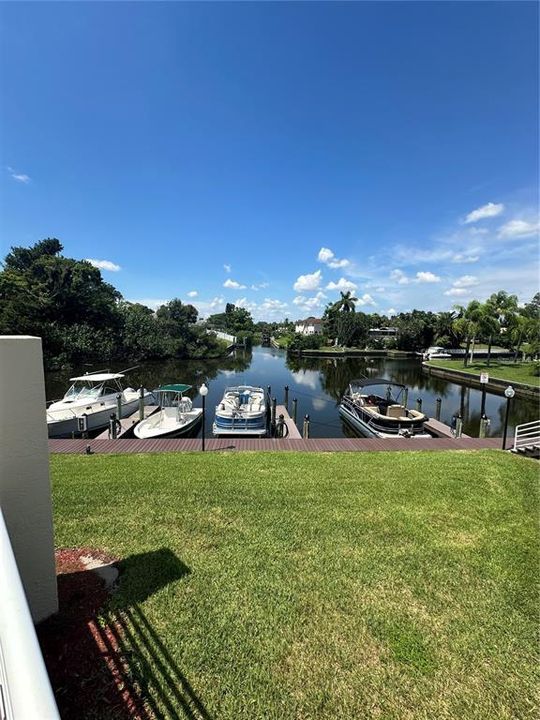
(317, 383)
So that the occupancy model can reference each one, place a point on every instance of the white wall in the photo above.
(25, 492)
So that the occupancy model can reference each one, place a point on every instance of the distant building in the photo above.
(309, 326)
(383, 332)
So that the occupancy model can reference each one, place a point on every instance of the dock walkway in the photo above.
(271, 445)
(128, 423)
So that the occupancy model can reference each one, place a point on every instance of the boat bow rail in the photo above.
(25, 690)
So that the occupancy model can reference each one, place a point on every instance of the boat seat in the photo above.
(395, 411)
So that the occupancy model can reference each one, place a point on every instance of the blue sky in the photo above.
(272, 154)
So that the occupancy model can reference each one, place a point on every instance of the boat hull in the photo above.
(143, 431)
(96, 418)
(366, 429)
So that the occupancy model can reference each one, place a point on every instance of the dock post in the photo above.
(484, 424)
(112, 426)
(459, 426)
(294, 409)
(280, 426)
(305, 429)
(438, 409)
(419, 404)
(269, 391)
(286, 401)
(141, 404)
(273, 415)
(405, 397)
(119, 406)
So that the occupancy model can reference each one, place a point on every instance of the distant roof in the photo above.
(175, 387)
(98, 377)
(309, 321)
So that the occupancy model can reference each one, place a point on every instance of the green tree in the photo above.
(346, 303)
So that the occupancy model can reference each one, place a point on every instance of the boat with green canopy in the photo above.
(176, 415)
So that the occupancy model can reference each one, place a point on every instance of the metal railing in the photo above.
(527, 434)
(25, 690)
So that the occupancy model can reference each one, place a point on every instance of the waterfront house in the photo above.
(309, 326)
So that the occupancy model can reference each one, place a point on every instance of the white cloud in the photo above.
(311, 302)
(104, 264)
(366, 299)
(260, 286)
(400, 277)
(192, 293)
(233, 285)
(424, 276)
(466, 281)
(227, 268)
(308, 282)
(457, 292)
(427, 277)
(486, 211)
(21, 177)
(462, 259)
(327, 257)
(342, 284)
(152, 303)
(391, 311)
(518, 229)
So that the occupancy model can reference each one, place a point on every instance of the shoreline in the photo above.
(494, 385)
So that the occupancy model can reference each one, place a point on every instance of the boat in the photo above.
(374, 408)
(176, 416)
(243, 411)
(434, 352)
(89, 403)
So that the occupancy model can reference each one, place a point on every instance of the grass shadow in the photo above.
(104, 658)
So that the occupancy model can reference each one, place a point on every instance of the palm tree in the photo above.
(468, 323)
(503, 309)
(346, 303)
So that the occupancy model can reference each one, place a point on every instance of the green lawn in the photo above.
(318, 586)
(509, 371)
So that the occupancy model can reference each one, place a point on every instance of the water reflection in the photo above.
(318, 384)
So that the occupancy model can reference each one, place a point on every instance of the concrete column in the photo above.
(25, 491)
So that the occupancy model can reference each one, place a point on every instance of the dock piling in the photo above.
(286, 401)
(438, 409)
(294, 409)
(112, 426)
(459, 426)
(419, 404)
(484, 424)
(273, 415)
(141, 404)
(305, 430)
(119, 406)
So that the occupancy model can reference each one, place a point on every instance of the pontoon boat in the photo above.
(242, 411)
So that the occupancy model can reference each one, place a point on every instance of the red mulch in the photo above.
(88, 671)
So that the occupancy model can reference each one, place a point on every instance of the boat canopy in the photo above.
(97, 377)
(376, 381)
(175, 387)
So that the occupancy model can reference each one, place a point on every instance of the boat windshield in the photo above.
(80, 390)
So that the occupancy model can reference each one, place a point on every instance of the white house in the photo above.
(309, 326)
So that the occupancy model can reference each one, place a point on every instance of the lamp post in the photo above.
(203, 390)
(509, 394)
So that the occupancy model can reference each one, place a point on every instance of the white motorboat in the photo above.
(89, 403)
(381, 415)
(176, 415)
(432, 353)
(243, 411)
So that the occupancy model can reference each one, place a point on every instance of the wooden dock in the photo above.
(128, 423)
(440, 430)
(271, 445)
(294, 433)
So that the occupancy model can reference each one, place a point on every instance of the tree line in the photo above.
(81, 317)
(497, 321)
